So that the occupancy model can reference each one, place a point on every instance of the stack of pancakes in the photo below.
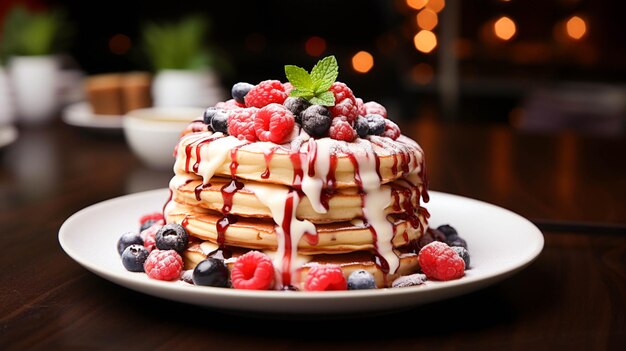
(312, 201)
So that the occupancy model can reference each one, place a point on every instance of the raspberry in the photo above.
(274, 123)
(341, 92)
(374, 108)
(391, 130)
(325, 277)
(241, 124)
(340, 129)
(164, 265)
(229, 105)
(345, 102)
(440, 262)
(156, 216)
(252, 271)
(265, 93)
(148, 235)
(288, 88)
(359, 105)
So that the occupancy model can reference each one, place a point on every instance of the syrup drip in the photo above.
(185, 222)
(424, 176)
(198, 154)
(233, 160)
(268, 158)
(298, 173)
(312, 156)
(331, 181)
(380, 261)
(188, 149)
(221, 226)
(228, 191)
(198, 190)
(286, 226)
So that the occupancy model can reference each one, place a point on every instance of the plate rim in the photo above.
(71, 111)
(129, 281)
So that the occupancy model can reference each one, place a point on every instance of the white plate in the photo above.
(80, 114)
(8, 134)
(500, 243)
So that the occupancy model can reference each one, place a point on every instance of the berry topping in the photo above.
(148, 236)
(296, 105)
(464, 254)
(128, 239)
(391, 130)
(252, 271)
(345, 103)
(340, 129)
(409, 280)
(211, 272)
(241, 124)
(163, 265)
(361, 279)
(447, 230)
(361, 108)
(229, 105)
(219, 121)
(187, 276)
(134, 257)
(274, 123)
(376, 124)
(361, 126)
(341, 92)
(374, 108)
(265, 93)
(240, 90)
(325, 277)
(154, 216)
(288, 87)
(208, 114)
(172, 236)
(440, 262)
(316, 120)
(455, 240)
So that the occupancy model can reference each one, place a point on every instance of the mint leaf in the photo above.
(324, 74)
(305, 93)
(299, 77)
(326, 98)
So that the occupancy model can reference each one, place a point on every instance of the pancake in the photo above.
(349, 262)
(238, 198)
(332, 238)
(334, 163)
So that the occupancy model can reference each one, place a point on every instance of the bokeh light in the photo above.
(435, 5)
(425, 41)
(422, 73)
(504, 28)
(119, 44)
(362, 62)
(315, 46)
(416, 4)
(427, 19)
(576, 27)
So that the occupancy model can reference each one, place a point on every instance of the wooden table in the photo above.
(572, 297)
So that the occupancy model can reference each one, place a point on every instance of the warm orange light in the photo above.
(422, 73)
(425, 41)
(504, 28)
(119, 44)
(576, 27)
(427, 19)
(362, 62)
(315, 46)
(436, 5)
(416, 4)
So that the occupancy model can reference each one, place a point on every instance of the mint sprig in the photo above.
(314, 86)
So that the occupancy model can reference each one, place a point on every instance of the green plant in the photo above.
(26, 33)
(179, 45)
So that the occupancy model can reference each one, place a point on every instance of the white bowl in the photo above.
(152, 133)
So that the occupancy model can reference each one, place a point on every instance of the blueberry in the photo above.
(219, 121)
(464, 255)
(134, 257)
(211, 272)
(147, 224)
(296, 105)
(240, 90)
(376, 124)
(172, 236)
(316, 120)
(362, 127)
(128, 239)
(455, 240)
(409, 280)
(447, 230)
(437, 234)
(361, 279)
(208, 115)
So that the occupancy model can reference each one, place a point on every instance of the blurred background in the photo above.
(544, 65)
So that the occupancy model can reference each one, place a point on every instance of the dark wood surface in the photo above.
(572, 297)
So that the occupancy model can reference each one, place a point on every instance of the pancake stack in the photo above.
(308, 201)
